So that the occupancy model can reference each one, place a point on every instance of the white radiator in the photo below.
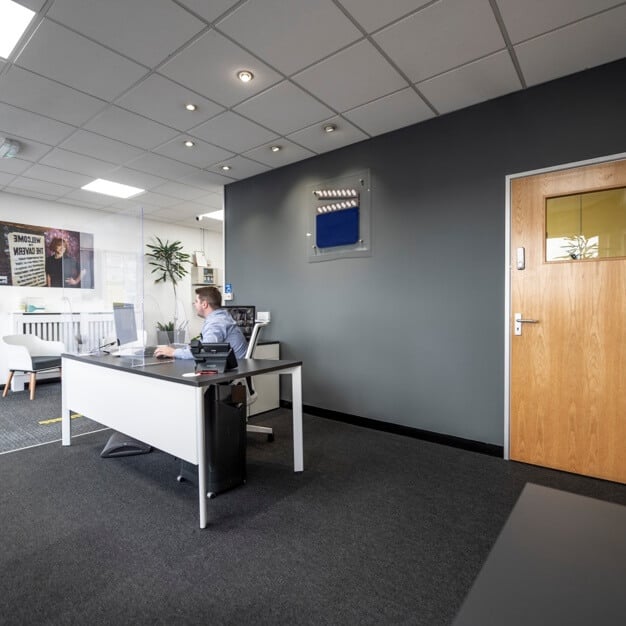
(93, 328)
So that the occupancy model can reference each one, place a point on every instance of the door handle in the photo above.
(519, 320)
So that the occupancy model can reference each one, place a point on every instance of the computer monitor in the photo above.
(244, 316)
(125, 323)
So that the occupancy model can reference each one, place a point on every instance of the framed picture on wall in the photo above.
(41, 256)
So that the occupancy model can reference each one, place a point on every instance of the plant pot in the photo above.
(170, 336)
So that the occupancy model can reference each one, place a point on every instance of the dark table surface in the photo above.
(175, 370)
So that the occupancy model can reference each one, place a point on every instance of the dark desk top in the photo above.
(560, 559)
(174, 370)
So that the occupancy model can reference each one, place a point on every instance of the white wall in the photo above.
(119, 248)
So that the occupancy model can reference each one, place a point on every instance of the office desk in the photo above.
(560, 559)
(157, 404)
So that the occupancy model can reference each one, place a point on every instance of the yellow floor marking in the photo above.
(58, 419)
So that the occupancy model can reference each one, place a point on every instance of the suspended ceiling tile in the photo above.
(134, 178)
(147, 31)
(316, 139)
(29, 193)
(161, 166)
(130, 128)
(241, 167)
(62, 55)
(212, 200)
(200, 155)
(84, 204)
(180, 191)
(80, 163)
(26, 90)
(442, 36)
(284, 108)
(5, 179)
(289, 153)
(92, 144)
(55, 175)
(32, 126)
(209, 11)
(163, 101)
(351, 77)
(186, 209)
(475, 82)
(530, 18)
(156, 200)
(233, 132)
(396, 110)
(574, 48)
(167, 215)
(210, 65)
(14, 166)
(374, 14)
(40, 186)
(209, 181)
(33, 5)
(94, 199)
(294, 34)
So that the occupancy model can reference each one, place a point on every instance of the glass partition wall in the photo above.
(102, 265)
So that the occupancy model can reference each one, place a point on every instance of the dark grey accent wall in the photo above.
(414, 334)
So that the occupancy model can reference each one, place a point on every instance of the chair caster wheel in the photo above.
(210, 495)
(180, 479)
(270, 437)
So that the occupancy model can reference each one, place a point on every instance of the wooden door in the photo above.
(568, 370)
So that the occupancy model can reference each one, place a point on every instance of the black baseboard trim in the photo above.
(417, 433)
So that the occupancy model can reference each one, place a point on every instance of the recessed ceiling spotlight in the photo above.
(189, 143)
(191, 107)
(329, 128)
(226, 168)
(276, 148)
(245, 76)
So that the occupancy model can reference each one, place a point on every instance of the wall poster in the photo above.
(38, 256)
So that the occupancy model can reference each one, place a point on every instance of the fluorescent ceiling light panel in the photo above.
(109, 188)
(14, 19)
(215, 215)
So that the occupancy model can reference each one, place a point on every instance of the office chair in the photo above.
(251, 394)
(31, 354)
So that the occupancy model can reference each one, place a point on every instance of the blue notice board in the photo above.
(337, 228)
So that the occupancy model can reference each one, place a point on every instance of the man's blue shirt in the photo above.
(219, 327)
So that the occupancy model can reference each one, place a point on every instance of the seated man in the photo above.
(218, 327)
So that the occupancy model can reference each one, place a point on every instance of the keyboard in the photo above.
(145, 351)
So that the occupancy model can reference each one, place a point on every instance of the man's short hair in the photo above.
(210, 295)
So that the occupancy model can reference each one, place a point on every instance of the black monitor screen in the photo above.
(125, 324)
(244, 316)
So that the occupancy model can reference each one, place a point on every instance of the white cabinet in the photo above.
(268, 385)
(204, 276)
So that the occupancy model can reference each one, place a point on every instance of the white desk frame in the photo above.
(165, 414)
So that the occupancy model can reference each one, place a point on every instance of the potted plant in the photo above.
(169, 263)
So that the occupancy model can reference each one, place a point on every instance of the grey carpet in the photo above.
(378, 529)
(21, 418)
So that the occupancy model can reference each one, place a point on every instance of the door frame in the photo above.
(507, 275)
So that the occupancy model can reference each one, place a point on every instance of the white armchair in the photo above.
(30, 354)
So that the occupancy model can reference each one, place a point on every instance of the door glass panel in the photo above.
(588, 225)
